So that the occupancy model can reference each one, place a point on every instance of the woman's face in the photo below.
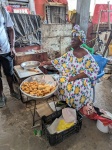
(75, 42)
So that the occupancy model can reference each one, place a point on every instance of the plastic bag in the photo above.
(64, 125)
(95, 116)
(101, 61)
(69, 115)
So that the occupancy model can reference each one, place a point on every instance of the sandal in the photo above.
(15, 95)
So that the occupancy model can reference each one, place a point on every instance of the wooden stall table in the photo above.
(21, 74)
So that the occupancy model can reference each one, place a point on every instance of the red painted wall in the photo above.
(104, 17)
(39, 5)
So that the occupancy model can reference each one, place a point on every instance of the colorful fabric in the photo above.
(77, 32)
(95, 116)
(78, 93)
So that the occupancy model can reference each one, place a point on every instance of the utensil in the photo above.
(43, 80)
(30, 64)
(33, 69)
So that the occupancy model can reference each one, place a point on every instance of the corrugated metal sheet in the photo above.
(27, 29)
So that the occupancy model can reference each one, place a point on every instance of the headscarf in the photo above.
(77, 32)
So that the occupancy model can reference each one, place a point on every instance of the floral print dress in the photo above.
(75, 93)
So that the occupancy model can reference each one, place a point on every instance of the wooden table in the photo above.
(21, 74)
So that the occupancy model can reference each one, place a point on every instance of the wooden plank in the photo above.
(22, 57)
(55, 4)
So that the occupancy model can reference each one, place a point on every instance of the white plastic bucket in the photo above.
(101, 127)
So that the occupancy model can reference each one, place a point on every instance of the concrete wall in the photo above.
(56, 37)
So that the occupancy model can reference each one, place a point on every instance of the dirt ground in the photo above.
(16, 122)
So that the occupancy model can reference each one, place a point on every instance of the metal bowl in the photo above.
(30, 64)
(38, 78)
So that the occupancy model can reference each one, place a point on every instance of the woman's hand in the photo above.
(71, 79)
(43, 63)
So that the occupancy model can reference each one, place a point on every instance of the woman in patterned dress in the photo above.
(77, 68)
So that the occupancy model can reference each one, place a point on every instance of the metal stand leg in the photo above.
(34, 111)
(21, 97)
(93, 94)
(34, 114)
(54, 102)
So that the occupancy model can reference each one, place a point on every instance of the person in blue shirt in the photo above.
(6, 52)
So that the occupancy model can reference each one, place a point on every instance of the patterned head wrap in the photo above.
(77, 32)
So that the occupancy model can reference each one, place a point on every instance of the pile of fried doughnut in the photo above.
(35, 88)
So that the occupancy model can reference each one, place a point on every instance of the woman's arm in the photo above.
(78, 76)
(46, 63)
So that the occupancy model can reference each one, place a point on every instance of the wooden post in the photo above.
(107, 44)
(109, 15)
(99, 20)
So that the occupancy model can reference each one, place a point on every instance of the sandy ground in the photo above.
(16, 122)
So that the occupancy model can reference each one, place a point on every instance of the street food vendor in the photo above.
(77, 68)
